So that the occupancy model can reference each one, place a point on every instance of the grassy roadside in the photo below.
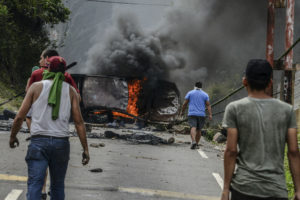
(7, 92)
(288, 176)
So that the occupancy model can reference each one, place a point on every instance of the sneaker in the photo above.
(193, 146)
(44, 196)
(197, 146)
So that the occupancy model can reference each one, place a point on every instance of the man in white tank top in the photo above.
(52, 100)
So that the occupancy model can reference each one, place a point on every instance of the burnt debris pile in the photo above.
(139, 138)
(106, 98)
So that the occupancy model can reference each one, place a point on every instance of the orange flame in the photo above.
(134, 88)
(99, 112)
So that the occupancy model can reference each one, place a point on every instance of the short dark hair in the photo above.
(258, 74)
(49, 53)
(198, 84)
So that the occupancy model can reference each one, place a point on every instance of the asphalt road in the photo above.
(130, 171)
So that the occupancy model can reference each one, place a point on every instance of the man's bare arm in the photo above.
(79, 124)
(18, 121)
(208, 109)
(27, 85)
(185, 103)
(294, 159)
(229, 160)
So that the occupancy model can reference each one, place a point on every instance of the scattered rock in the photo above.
(101, 144)
(160, 127)
(9, 114)
(143, 157)
(185, 130)
(139, 138)
(96, 170)
(171, 140)
(93, 135)
(219, 138)
(97, 145)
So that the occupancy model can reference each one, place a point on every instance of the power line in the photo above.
(130, 3)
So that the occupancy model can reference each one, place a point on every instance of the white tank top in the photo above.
(42, 123)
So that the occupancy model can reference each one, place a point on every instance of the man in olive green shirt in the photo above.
(258, 128)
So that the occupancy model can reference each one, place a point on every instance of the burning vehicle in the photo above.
(105, 98)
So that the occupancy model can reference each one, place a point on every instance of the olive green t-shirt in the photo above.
(262, 126)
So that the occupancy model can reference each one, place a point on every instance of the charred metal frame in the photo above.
(161, 103)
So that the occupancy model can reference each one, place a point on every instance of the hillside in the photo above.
(7, 92)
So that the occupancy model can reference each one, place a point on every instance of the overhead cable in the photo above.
(130, 3)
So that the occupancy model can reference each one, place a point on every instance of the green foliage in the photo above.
(217, 90)
(288, 177)
(6, 93)
(23, 35)
(210, 134)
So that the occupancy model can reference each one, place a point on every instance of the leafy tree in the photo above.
(24, 35)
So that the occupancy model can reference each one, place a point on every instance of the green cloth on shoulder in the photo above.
(55, 91)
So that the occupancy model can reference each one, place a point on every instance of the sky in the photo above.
(186, 41)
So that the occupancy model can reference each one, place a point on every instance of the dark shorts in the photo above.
(235, 195)
(196, 121)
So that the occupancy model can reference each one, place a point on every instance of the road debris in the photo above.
(96, 170)
(219, 138)
(139, 138)
(97, 145)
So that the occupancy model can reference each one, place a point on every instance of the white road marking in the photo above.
(169, 194)
(219, 179)
(202, 154)
(13, 195)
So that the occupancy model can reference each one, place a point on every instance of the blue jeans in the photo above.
(43, 153)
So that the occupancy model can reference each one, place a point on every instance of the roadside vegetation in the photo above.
(6, 92)
(288, 176)
(24, 35)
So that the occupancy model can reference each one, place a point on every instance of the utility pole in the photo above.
(270, 32)
(289, 37)
(289, 32)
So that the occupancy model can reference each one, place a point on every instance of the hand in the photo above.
(85, 157)
(210, 117)
(13, 142)
(225, 195)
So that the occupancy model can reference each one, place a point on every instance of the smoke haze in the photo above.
(126, 51)
(196, 40)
